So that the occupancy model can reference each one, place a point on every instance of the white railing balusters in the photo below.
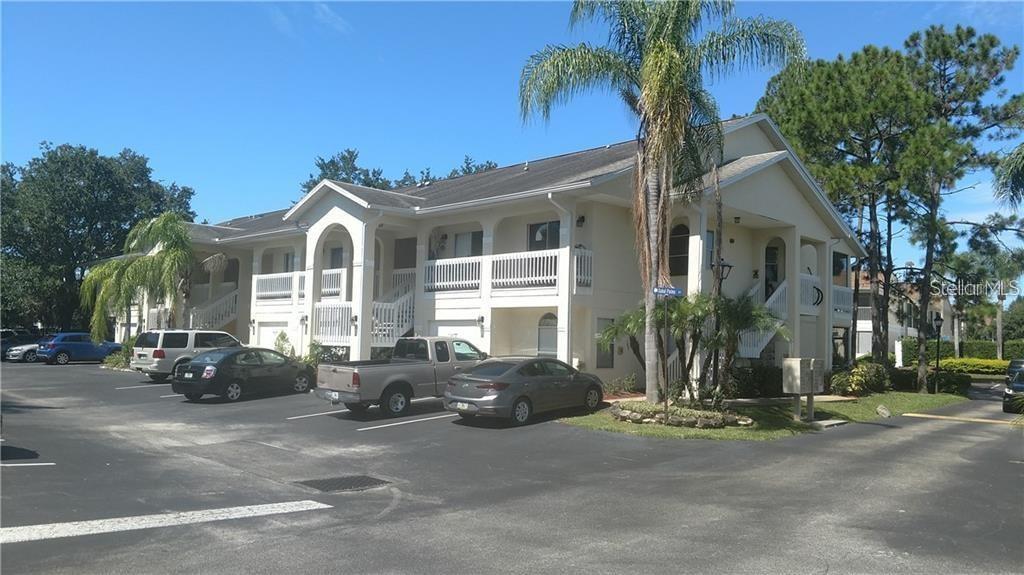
(333, 282)
(584, 267)
(452, 274)
(525, 269)
(215, 314)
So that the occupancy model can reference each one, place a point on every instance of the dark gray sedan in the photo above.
(517, 387)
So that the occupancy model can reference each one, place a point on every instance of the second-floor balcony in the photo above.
(518, 270)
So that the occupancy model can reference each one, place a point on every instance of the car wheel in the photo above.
(158, 377)
(593, 398)
(233, 391)
(301, 384)
(193, 396)
(395, 401)
(521, 411)
(1007, 408)
(62, 358)
(29, 357)
(357, 408)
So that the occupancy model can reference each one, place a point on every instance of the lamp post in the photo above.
(723, 273)
(937, 321)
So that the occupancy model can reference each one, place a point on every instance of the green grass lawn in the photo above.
(898, 402)
(774, 422)
(770, 423)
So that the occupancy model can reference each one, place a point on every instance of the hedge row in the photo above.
(975, 365)
(979, 349)
(949, 382)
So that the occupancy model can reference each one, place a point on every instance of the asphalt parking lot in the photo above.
(217, 488)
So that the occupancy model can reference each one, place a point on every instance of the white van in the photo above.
(158, 352)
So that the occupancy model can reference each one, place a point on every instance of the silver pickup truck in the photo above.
(419, 367)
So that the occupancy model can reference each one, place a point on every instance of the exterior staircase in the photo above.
(753, 342)
(216, 314)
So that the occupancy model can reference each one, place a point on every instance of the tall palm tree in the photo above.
(656, 59)
(158, 260)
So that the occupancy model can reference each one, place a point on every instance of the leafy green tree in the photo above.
(656, 59)
(1013, 320)
(469, 167)
(344, 167)
(67, 208)
(849, 119)
(960, 73)
(1009, 186)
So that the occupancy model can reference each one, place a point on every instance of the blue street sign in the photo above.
(668, 291)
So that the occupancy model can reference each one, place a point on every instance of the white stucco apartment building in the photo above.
(533, 258)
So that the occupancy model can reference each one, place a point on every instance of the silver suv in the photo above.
(157, 353)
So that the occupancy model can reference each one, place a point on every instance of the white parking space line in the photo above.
(408, 422)
(150, 386)
(77, 528)
(417, 400)
(172, 395)
(26, 464)
(316, 414)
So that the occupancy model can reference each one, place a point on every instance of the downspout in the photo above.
(569, 268)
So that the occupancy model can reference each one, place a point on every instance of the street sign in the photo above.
(668, 291)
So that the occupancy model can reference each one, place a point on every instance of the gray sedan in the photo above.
(516, 387)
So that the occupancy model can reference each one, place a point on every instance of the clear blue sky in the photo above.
(236, 99)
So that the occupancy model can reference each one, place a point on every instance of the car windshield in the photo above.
(1017, 363)
(491, 369)
(147, 339)
(213, 356)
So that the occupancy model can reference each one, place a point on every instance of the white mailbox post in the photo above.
(803, 376)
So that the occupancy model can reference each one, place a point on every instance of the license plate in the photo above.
(461, 405)
(188, 375)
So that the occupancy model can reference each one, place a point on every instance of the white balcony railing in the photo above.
(332, 323)
(584, 267)
(333, 283)
(279, 286)
(452, 274)
(842, 302)
(525, 269)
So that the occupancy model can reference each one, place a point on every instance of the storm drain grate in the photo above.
(344, 483)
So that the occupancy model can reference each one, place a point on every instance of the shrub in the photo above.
(647, 409)
(121, 359)
(620, 385)
(957, 383)
(910, 350)
(283, 345)
(861, 379)
(757, 381)
(949, 382)
(978, 349)
(974, 365)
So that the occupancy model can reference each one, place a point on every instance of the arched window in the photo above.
(679, 250)
(547, 335)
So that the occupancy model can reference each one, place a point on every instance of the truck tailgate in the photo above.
(335, 378)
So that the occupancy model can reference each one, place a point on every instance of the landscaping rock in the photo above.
(659, 417)
(709, 423)
(883, 411)
(624, 414)
(615, 410)
(689, 422)
(744, 421)
(729, 419)
(648, 420)
(675, 421)
(635, 417)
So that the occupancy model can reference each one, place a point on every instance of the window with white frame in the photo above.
(543, 236)
(469, 244)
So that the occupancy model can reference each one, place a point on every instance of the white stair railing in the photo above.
(215, 314)
(753, 342)
(391, 320)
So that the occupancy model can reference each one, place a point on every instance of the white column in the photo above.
(257, 269)
(566, 279)
(792, 238)
(698, 224)
(825, 320)
(423, 309)
(362, 288)
(487, 250)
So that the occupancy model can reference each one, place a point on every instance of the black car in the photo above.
(1013, 396)
(1016, 366)
(234, 372)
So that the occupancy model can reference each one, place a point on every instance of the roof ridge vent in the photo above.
(526, 166)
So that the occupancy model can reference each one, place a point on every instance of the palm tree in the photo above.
(740, 315)
(1009, 184)
(656, 59)
(158, 260)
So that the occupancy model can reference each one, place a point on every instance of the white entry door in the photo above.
(267, 331)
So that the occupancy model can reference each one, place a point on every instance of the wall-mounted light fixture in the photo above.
(252, 325)
(580, 220)
(736, 220)
(303, 321)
